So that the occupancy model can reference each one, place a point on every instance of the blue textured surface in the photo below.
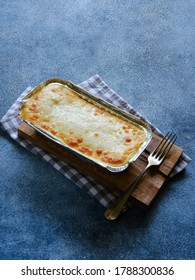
(145, 51)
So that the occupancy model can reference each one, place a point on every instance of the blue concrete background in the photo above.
(145, 51)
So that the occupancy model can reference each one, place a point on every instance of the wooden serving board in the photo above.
(144, 193)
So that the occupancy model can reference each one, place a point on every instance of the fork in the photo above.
(155, 158)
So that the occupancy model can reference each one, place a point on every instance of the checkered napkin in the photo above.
(96, 86)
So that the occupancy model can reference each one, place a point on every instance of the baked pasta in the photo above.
(81, 125)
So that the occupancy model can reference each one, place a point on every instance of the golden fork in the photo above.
(154, 159)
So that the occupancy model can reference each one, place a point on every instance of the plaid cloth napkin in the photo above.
(96, 86)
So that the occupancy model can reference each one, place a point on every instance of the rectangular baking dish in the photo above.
(104, 125)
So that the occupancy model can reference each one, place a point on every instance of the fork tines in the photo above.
(165, 145)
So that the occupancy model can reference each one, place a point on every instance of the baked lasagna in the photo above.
(83, 126)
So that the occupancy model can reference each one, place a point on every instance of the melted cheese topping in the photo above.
(83, 126)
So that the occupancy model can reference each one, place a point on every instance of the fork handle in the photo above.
(115, 209)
